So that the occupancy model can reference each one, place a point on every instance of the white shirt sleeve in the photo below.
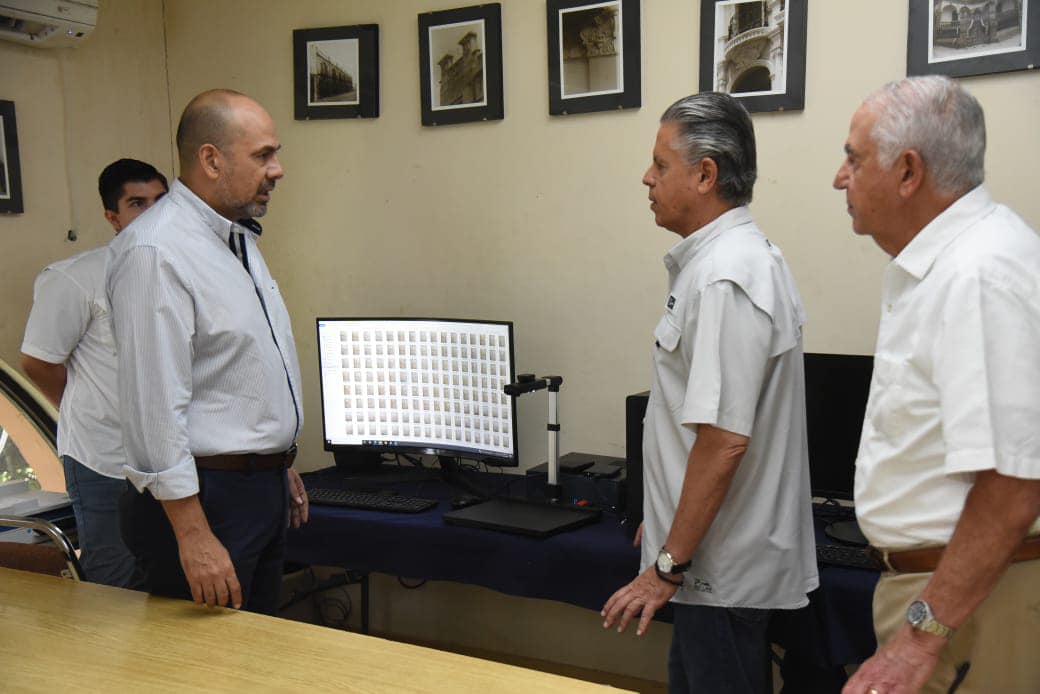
(153, 321)
(58, 319)
(730, 355)
(987, 373)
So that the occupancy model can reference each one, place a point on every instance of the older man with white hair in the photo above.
(948, 472)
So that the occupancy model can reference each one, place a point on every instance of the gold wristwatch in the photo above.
(920, 616)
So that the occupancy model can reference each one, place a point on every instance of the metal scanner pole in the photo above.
(528, 383)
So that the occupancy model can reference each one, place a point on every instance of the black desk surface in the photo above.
(582, 567)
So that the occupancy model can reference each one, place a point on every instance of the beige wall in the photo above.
(77, 110)
(534, 219)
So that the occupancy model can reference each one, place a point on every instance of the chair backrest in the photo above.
(57, 559)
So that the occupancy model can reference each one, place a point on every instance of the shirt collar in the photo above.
(917, 257)
(684, 251)
(213, 220)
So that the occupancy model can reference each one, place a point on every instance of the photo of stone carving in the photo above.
(591, 50)
(973, 28)
(751, 47)
(332, 69)
(457, 65)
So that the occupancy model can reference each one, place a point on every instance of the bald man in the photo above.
(209, 379)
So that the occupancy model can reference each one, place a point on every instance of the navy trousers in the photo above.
(247, 511)
(719, 650)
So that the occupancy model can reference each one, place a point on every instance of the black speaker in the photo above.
(635, 411)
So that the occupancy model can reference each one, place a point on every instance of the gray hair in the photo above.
(717, 126)
(937, 117)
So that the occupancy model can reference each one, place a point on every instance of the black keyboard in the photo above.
(846, 556)
(369, 501)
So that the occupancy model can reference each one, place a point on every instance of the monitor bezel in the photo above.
(441, 450)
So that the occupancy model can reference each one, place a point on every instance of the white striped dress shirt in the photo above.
(207, 362)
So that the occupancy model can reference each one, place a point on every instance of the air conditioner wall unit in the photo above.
(47, 23)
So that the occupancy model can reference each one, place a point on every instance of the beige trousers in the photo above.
(1001, 640)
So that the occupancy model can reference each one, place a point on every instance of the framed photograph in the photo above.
(960, 38)
(10, 168)
(755, 50)
(460, 65)
(593, 55)
(336, 72)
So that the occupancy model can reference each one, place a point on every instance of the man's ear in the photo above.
(113, 219)
(707, 175)
(912, 172)
(211, 161)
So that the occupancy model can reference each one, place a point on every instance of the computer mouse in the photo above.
(464, 500)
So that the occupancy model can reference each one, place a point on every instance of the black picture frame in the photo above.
(739, 42)
(474, 67)
(10, 164)
(587, 72)
(336, 72)
(950, 38)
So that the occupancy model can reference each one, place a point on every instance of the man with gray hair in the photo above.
(948, 472)
(727, 535)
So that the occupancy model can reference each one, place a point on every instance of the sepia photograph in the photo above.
(973, 28)
(460, 65)
(591, 50)
(750, 47)
(336, 72)
(963, 38)
(10, 168)
(332, 70)
(457, 65)
(594, 56)
(755, 50)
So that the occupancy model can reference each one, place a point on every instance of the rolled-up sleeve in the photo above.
(730, 355)
(153, 322)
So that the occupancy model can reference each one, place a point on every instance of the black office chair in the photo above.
(57, 559)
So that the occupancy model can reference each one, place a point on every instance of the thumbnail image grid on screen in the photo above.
(418, 384)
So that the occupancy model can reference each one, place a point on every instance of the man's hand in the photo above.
(206, 563)
(644, 597)
(901, 666)
(299, 507)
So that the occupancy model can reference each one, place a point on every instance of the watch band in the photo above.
(667, 578)
(920, 616)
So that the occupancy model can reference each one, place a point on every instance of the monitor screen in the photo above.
(836, 389)
(418, 385)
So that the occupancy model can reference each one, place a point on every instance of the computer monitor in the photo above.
(417, 385)
(836, 389)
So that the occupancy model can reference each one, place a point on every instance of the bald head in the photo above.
(209, 118)
(228, 151)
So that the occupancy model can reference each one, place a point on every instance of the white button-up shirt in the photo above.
(956, 385)
(207, 361)
(70, 324)
(728, 353)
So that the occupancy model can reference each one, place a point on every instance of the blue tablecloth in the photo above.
(581, 567)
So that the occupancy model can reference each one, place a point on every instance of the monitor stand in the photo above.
(847, 532)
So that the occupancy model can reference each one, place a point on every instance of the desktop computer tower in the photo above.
(635, 411)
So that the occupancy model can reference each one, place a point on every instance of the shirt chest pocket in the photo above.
(671, 369)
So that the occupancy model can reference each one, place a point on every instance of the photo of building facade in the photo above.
(968, 27)
(750, 41)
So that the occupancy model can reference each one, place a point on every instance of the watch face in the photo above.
(664, 562)
(917, 613)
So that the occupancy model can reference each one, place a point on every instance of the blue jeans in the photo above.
(95, 503)
(719, 650)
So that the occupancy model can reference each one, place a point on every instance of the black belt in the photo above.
(247, 462)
